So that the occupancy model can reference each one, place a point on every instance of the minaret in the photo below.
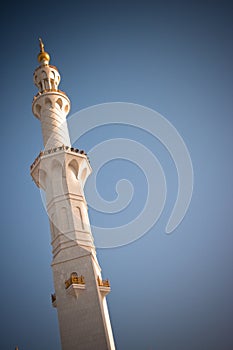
(61, 171)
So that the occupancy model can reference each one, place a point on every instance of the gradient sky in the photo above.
(168, 291)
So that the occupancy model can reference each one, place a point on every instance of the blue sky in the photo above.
(168, 291)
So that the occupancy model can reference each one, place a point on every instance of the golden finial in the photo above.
(41, 45)
(43, 56)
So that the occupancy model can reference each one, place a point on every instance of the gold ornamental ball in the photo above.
(43, 56)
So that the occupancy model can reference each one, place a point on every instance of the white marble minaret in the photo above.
(61, 171)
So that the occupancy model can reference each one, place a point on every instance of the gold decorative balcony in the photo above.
(75, 284)
(104, 283)
(74, 279)
(104, 286)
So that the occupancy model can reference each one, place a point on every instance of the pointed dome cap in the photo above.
(43, 57)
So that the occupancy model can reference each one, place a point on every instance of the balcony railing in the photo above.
(103, 283)
(74, 279)
(56, 149)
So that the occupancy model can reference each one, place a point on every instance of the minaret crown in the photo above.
(46, 77)
(50, 105)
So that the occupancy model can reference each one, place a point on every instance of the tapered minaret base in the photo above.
(82, 313)
(80, 293)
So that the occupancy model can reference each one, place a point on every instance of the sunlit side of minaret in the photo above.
(61, 171)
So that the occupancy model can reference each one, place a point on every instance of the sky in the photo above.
(175, 57)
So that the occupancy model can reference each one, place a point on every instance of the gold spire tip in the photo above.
(41, 45)
(43, 56)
